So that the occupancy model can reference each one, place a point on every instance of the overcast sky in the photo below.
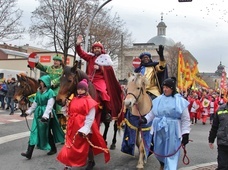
(201, 25)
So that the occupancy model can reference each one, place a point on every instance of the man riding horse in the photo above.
(154, 73)
(99, 69)
(55, 71)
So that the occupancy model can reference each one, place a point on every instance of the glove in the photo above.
(36, 59)
(185, 139)
(43, 120)
(142, 121)
(81, 134)
(160, 52)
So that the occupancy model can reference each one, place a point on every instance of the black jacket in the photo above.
(219, 127)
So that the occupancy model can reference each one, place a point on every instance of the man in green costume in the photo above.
(55, 71)
(45, 130)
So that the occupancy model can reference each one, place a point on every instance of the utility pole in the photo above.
(89, 25)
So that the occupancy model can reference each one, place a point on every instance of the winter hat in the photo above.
(170, 82)
(98, 44)
(83, 85)
(145, 53)
(57, 57)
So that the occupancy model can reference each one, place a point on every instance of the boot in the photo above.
(52, 144)
(161, 165)
(91, 162)
(90, 165)
(29, 152)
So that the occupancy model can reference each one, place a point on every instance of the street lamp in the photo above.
(90, 23)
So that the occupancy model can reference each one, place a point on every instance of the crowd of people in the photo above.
(203, 104)
(7, 91)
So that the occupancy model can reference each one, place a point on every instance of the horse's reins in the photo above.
(185, 157)
(24, 97)
(92, 75)
(136, 98)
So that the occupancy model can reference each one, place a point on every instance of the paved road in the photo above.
(14, 137)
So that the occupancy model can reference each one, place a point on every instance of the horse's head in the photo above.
(25, 87)
(135, 89)
(68, 83)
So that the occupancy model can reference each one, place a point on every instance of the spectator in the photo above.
(3, 91)
(11, 87)
(219, 130)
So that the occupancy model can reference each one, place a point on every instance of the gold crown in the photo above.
(97, 42)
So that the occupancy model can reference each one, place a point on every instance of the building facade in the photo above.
(16, 58)
(128, 54)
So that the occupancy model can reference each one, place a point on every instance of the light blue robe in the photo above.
(167, 127)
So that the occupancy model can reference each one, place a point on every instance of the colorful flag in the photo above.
(180, 71)
(223, 84)
(188, 76)
(194, 70)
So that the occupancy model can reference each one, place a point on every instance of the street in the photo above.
(198, 151)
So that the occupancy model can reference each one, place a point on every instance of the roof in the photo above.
(14, 53)
(161, 24)
(162, 40)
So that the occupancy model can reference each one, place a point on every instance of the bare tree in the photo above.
(109, 29)
(58, 23)
(172, 58)
(10, 25)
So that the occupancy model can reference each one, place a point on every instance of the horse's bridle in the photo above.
(136, 98)
(75, 79)
(23, 97)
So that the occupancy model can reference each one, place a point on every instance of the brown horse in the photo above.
(139, 104)
(25, 90)
(68, 86)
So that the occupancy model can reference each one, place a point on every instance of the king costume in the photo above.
(104, 80)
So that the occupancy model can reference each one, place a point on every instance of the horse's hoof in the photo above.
(140, 167)
(113, 147)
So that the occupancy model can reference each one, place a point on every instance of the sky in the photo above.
(201, 25)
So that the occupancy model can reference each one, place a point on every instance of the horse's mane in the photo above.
(68, 70)
(81, 74)
(23, 76)
(138, 78)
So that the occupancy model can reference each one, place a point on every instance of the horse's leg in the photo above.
(113, 145)
(22, 113)
(140, 145)
(106, 130)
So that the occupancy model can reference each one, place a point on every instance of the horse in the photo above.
(138, 104)
(68, 86)
(25, 90)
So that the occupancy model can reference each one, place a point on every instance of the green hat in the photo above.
(57, 57)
